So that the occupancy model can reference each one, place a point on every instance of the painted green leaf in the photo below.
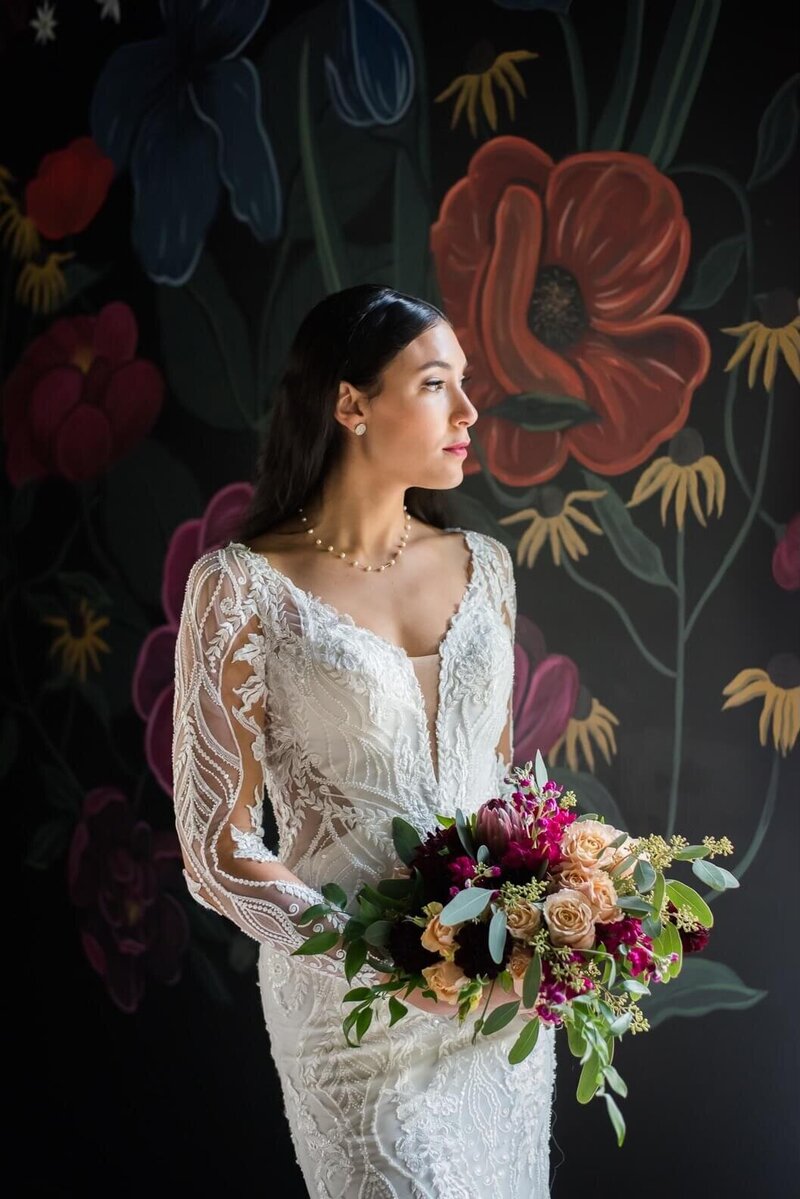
(593, 798)
(702, 986)
(537, 413)
(637, 553)
(777, 133)
(715, 273)
(206, 349)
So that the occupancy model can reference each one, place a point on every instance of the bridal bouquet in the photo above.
(573, 918)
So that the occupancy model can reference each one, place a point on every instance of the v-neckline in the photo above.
(407, 659)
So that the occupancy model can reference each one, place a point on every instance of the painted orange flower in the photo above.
(556, 278)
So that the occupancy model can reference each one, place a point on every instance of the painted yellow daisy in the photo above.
(486, 69)
(78, 640)
(554, 520)
(779, 684)
(778, 333)
(18, 233)
(43, 286)
(677, 473)
(590, 721)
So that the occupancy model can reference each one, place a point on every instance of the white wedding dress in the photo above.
(278, 693)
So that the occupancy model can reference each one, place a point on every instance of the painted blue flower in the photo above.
(183, 113)
(371, 78)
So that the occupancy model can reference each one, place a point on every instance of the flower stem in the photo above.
(655, 662)
(578, 80)
(680, 663)
(763, 824)
(746, 523)
(743, 200)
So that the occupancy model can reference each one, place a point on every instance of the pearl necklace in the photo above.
(355, 562)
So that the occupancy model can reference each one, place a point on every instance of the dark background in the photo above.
(182, 1094)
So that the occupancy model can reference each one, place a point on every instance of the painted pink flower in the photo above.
(545, 692)
(118, 871)
(79, 399)
(786, 557)
(154, 674)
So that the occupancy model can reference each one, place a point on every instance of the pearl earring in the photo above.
(361, 428)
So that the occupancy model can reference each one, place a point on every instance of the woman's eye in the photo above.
(440, 382)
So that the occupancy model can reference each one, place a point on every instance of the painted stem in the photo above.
(578, 80)
(655, 662)
(766, 816)
(680, 664)
(738, 540)
(743, 200)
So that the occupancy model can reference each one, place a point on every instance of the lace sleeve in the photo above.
(219, 726)
(508, 605)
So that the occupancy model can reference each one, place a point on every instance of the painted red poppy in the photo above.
(556, 278)
(69, 189)
(79, 398)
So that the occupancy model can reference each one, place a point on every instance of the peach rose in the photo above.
(569, 918)
(582, 843)
(523, 919)
(518, 963)
(437, 937)
(599, 890)
(446, 979)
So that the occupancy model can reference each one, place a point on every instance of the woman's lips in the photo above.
(459, 451)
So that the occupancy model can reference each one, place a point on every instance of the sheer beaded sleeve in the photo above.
(220, 720)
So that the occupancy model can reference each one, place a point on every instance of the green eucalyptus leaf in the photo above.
(715, 876)
(497, 935)
(685, 896)
(468, 904)
(525, 1041)
(500, 1017)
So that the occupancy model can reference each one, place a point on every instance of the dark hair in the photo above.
(352, 334)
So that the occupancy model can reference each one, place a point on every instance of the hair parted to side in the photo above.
(351, 334)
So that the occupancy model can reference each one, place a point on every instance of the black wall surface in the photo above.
(158, 1074)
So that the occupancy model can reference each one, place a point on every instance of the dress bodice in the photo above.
(280, 695)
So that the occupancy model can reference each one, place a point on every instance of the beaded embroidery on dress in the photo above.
(279, 695)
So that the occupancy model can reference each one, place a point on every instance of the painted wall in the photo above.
(603, 199)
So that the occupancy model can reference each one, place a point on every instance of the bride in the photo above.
(347, 700)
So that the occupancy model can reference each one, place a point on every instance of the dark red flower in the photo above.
(473, 953)
(406, 948)
(118, 870)
(154, 674)
(69, 189)
(692, 940)
(556, 278)
(79, 399)
(786, 557)
(433, 865)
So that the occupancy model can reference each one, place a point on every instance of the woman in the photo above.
(350, 700)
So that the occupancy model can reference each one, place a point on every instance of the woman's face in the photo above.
(422, 409)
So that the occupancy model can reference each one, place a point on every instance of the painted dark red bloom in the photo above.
(556, 278)
(118, 872)
(79, 399)
(69, 189)
(786, 557)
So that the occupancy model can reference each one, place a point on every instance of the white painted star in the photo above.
(109, 8)
(44, 23)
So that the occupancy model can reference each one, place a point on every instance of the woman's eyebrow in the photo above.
(439, 362)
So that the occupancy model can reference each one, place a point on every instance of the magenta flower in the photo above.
(79, 399)
(154, 674)
(786, 557)
(118, 871)
(545, 692)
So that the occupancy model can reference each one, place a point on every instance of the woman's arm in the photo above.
(219, 727)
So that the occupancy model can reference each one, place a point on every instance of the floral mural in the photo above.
(628, 304)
